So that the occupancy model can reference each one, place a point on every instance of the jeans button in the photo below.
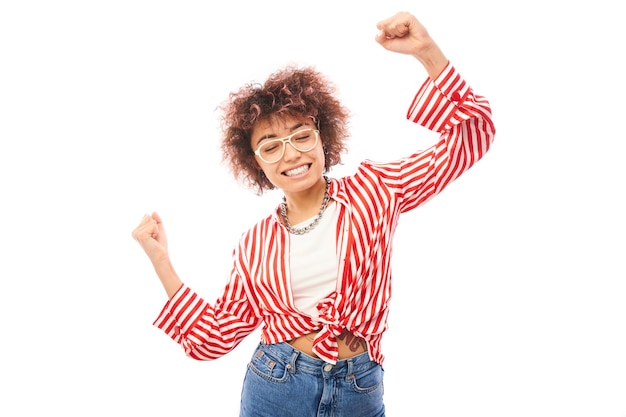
(328, 367)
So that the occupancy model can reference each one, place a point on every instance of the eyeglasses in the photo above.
(272, 151)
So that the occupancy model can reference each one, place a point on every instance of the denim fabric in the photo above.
(283, 382)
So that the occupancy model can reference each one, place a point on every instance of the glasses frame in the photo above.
(287, 140)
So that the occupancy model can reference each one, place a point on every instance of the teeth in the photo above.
(297, 171)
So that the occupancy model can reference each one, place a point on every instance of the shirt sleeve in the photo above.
(205, 331)
(449, 106)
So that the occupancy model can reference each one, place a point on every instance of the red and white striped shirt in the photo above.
(370, 203)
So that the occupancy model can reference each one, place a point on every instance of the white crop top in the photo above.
(314, 262)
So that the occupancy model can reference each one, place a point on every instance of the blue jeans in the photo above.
(284, 382)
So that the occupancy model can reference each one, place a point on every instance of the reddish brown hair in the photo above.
(291, 91)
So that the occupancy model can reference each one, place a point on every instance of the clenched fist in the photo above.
(150, 234)
(403, 33)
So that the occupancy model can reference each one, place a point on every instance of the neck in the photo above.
(306, 204)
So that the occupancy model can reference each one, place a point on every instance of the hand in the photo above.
(150, 234)
(403, 33)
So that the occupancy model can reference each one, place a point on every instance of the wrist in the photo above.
(432, 58)
(160, 260)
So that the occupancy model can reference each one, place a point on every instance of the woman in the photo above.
(316, 272)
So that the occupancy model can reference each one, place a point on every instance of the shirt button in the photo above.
(328, 367)
(456, 96)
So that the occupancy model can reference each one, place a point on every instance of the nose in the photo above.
(291, 153)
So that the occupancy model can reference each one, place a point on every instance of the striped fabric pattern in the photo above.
(370, 201)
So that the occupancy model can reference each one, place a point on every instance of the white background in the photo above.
(510, 293)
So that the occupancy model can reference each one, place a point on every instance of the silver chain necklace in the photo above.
(316, 220)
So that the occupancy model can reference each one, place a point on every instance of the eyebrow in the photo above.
(273, 135)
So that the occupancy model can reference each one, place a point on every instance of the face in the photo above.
(297, 170)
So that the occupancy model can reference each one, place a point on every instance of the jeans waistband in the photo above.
(305, 363)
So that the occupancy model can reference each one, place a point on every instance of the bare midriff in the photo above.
(349, 344)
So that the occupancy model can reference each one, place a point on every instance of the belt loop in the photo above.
(291, 365)
(350, 370)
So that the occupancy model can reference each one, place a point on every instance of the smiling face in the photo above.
(296, 171)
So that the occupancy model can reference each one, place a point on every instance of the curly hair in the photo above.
(290, 91)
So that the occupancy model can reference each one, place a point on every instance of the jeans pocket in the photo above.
(368, 380)
(268, 367)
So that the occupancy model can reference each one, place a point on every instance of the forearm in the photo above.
(166, 273)
(433, 59)
(206, 331)
(466, 129)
